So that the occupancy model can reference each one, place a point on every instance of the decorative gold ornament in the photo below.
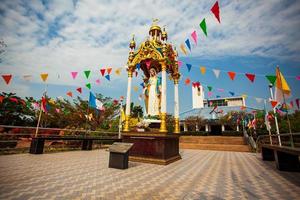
(176, 125)
(126, 126)
(163, 127)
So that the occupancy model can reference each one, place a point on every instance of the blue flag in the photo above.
(188, 44)
(232, 93)
(138, 66)
(92, 100)
(107, 77)
(189, 66)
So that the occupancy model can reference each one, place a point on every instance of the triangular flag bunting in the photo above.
(209, 88)
(87, 73)
(188, 44)
(98, 81)
(203, 70)
(298, 78)
(231, 75)
(216, 11)
(109, 70)
(271, 79)
(1, 99)
(44, 77)
(88, 85)
(251, 77)
(194, 36)
(232, 93)
(74, 74)
(142, 84)
(273, 103)
(79, 90)
(7, 78)
(118, 71)
(107, 77)
(183, 49)
(281, 85)
(189, 66)
(203, 26)
(209, 94)
(102, 71)
(135, 88)
(216, 72)
(70, 94)
(187, 81)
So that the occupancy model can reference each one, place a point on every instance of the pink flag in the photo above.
(298, 78)
(194, 36)
(209, 94)
(179, 63)
(220, 90)
(292, 104)
(98, 81)
(297, 103)
(57, 110)
(74, 74)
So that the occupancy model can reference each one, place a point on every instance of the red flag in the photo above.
(70, 94)
(13, 99)
(44, 102)
(273, 103)
(251, 77)
(7, 78)
(102, 71)
(187, 81)
(109, 70)
(216, 11)
(231, 75)
(1, 99)
(297, 102)
(79, 90)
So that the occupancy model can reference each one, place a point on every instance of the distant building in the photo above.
(210, 110)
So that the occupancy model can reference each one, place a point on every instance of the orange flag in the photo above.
(70, 94)
(203, 70)
(274, 103)
(231, 75)
(109, 70)
(44, 77)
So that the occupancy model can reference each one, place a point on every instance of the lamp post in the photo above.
(274, 110)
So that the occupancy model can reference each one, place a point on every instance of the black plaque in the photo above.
(118, 157)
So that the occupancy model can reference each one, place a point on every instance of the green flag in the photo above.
(209, 88)
(271, 79)
(87, 73)
(88, 85)
(203, 26)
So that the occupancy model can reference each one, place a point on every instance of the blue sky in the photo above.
(58, 37)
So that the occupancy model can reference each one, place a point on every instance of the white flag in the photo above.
(216, 72)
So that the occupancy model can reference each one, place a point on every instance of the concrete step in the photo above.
(217, 147)
(212, 140)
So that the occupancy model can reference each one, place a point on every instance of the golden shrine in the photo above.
(155, 55)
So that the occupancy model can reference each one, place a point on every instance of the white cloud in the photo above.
(61, 36)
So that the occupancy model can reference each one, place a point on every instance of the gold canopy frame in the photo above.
(154, 52)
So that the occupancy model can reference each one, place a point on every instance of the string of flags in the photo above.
(232, 75)
(215, 9)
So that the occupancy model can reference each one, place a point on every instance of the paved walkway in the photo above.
(199, 175)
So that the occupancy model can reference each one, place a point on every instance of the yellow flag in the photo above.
(281, 83)
(135, 88)
(44, 77)
(203, 70)
(122, 115)
(183, 49)
(118, 71)
(51, 101)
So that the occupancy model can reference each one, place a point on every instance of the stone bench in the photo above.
(286, 158)
(37, 143)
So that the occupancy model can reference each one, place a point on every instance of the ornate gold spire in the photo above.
(132, 43)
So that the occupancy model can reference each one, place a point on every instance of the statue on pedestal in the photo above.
(152, 92)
